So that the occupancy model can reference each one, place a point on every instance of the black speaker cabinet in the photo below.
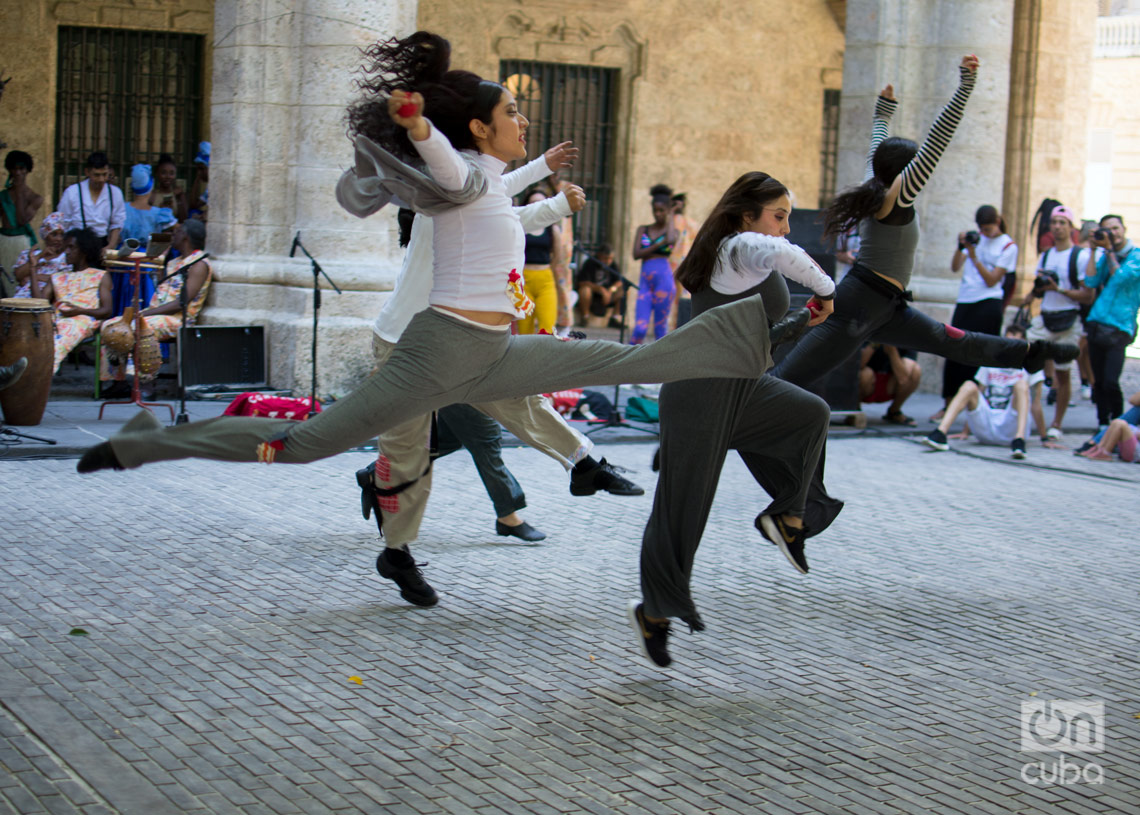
(230, 355)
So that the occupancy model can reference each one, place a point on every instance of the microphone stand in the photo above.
(615, 418)
(317, 272)
(183, 417)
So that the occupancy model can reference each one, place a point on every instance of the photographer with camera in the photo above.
(1111, 323)
(984, 257)
(1059, 286)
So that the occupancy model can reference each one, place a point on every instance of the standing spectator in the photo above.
(94, 203)
(34, 267)
(141, 217)
(846, 252)
(82, 293)
(200, 189)
(167, 192)
(984, 257)
(1112, 320)
(652, 246)
(1058, 284)
(543, 250)
(687, 230)
(19, 204)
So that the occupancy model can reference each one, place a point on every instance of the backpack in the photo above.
(641, 409)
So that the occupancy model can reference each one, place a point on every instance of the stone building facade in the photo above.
(704, 92)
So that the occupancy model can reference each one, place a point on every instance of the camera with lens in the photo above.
(1041, 282)
(1101, 235)
(972, 238)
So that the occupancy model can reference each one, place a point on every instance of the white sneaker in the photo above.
(1054, 433)
(1086, 392)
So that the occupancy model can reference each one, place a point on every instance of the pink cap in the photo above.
(1063, 212)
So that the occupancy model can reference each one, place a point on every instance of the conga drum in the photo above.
(27, 330)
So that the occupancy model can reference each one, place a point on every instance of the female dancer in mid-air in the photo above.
(871, 302)
(778, 428)
(460, 349)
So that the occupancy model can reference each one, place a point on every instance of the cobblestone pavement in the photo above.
(228, 609)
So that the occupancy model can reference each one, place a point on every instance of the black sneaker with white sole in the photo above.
(399, 565)
(1017, 448)
(788, 538)
(652, 638)
(936, 440)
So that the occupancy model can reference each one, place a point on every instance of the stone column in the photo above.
(282, 78)
(1050, 109)
(917, 47)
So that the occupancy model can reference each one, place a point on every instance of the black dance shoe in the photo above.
(603, 477)
(398, 565)
(10, 374)
(523, 531)
(790, 328)
(99, 457)
(1041, 351)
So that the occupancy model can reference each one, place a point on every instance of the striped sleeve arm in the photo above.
(880, 128)
(917, 172)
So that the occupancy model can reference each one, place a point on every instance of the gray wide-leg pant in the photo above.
(779, 431)
(441, 360)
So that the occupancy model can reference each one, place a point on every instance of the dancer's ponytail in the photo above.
(418, 63)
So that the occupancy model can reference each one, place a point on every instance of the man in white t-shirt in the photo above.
(996, 405)
(1058, 284)
(94, 204)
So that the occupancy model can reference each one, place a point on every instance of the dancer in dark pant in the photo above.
(777, 428)
(871, 302)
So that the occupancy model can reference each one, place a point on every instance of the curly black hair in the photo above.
(419, 63)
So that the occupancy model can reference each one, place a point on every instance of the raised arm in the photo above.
(885, 107)
(917, 172)
(752, 257)
(558, 157)
(444, 163)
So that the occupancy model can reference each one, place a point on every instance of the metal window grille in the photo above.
(573, 103)
(131, 94)
(829, 148)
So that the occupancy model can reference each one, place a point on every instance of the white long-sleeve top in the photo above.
(745, 259)
(476, 246)
(414, 284)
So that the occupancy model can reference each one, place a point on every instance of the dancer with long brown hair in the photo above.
(777, 428)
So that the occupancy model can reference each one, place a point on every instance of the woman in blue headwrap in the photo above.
(141, 220)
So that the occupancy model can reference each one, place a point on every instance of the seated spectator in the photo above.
(164, 312)
(200, 189)
(95, 203)
(19, 204)
(82, 293)
(1131, 416)
(34, 267)
(889, 375)
(600, 285)
(167, 193)
(1119, 437)
(996, 402)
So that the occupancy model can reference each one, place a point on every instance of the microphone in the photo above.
(296, 242)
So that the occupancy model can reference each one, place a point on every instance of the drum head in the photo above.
(24, 304)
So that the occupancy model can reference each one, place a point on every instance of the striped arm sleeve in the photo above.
(917, 172)
(880, 128)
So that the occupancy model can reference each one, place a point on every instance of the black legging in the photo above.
(983, 316)
(1106, 357)
(867, 307)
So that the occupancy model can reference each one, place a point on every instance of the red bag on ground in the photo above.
(269, 406)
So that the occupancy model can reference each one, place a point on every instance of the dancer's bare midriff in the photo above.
(484, 317)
